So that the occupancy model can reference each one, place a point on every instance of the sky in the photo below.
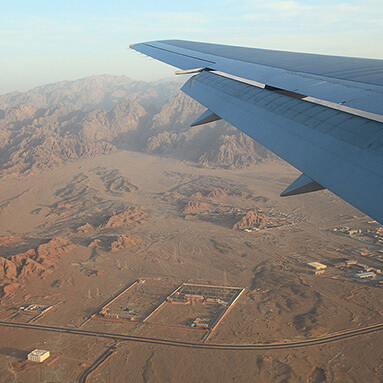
(45, 41)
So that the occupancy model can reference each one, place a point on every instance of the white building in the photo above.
(368, 274)
(38, 355)
(317, 266)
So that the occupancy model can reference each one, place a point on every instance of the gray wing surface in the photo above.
(322, 114)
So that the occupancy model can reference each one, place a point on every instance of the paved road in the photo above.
(83, 378)
(210, 346)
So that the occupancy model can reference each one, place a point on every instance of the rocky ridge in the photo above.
(50, 125)
(129, 218)
(252, 219)
(125, 242)
(38, 262)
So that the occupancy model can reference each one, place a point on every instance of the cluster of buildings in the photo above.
(366, 271)
(370, 234)
(346, 230)
(206, 294)
(194, 298)
(379, 235)
(223, 297)
(361, 271)
(35, 308)
(345, 263)
(249, 230)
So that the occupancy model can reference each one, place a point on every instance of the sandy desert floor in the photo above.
(96, 225)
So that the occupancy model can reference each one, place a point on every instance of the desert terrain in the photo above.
(104, 184)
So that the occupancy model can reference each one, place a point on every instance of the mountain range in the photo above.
(42, 128)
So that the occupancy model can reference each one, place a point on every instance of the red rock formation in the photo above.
(217, 193)
(196, 207)
(125, 242)
(48, 253)
(129, 217)
(190, 216)
(95, 243)
(85, 228)
(31, 267)
(8, 289)
(197, 195)
(8, 269)
(7, 240)
(39, 262)
(251, 219)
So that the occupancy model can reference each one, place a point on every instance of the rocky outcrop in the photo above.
(130, 217)
(48, 253)
(124, 242)
(195, 207)
(37, 262)
(6, 240)
(8, 269)
(252, 219)
(116, 183)
(32, 153)
(217, 193)
(8, 289)
(95, 243)
(84, 229)
(234, 151)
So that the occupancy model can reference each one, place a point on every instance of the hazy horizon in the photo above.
(173, 78)
(46, 42)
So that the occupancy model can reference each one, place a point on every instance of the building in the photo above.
(201, 323)
(369, 274)
(38, 355)
(364, 267)
(194, 297)
(345, 262)
(317, 266)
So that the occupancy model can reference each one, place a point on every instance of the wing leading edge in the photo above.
(324, 117)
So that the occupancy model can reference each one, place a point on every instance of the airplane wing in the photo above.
(322, 114)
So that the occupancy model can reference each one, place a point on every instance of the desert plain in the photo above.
(160, 207)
